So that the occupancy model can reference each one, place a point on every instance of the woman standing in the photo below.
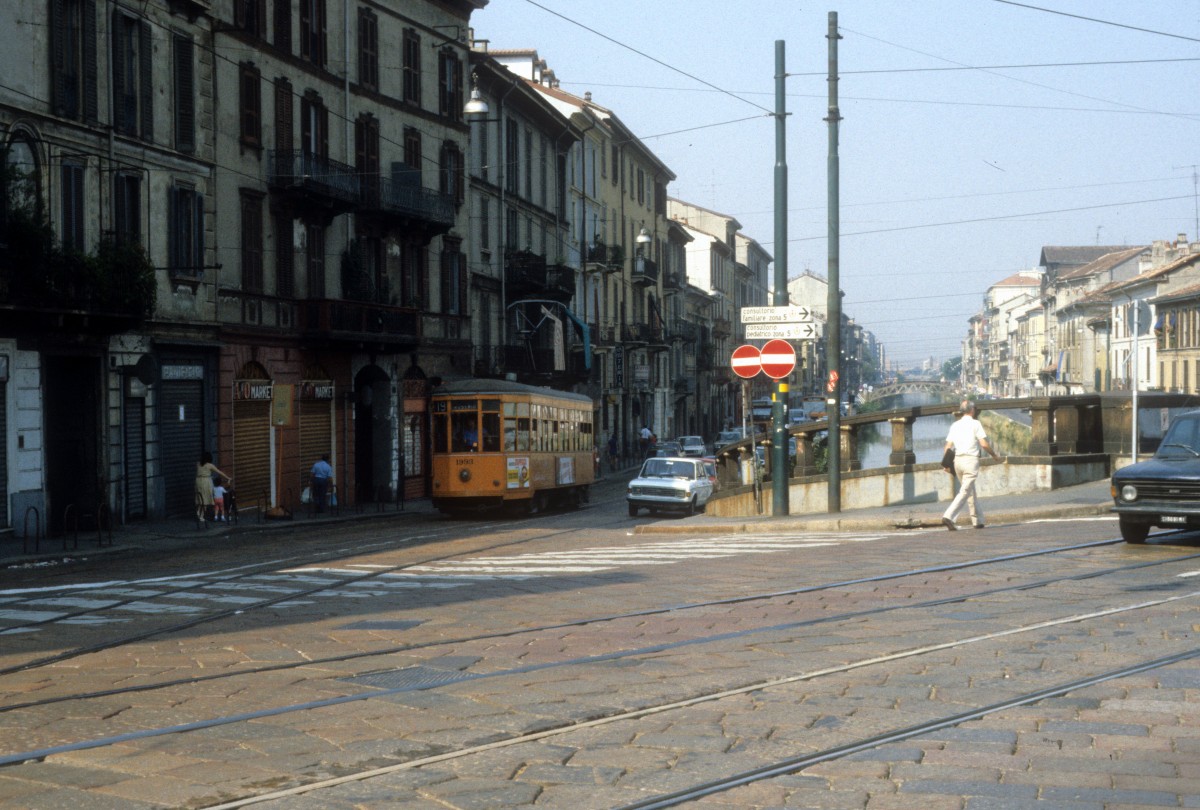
(205, 470)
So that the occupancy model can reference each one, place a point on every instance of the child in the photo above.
(218, 502)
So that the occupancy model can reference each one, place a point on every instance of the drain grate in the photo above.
(381, 625)
(418, 677)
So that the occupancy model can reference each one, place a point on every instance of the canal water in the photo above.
(929, 434)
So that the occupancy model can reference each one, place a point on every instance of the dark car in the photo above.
(1165, 490)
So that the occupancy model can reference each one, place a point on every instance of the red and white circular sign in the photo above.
(746, 362)
(778, 358)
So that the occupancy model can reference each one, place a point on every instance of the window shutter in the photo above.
(58, 58)
(306, 24)
(91, 112)
(283, 115)
(283, 25)
(198, 237)
(174, 230)
(463, 303)
(145, 78)
(118, 73)
(185, 95)
(324, 34)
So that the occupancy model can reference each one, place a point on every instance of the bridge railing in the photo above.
(1079, 427)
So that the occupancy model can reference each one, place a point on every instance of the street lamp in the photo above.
(643, 239)
(475, 105)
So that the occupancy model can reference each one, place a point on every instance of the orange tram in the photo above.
(497, 444)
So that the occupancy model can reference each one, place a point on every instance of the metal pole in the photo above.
(1133, 419)
(779, 444)
(833, 326)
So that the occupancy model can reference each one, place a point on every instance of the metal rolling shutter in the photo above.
(316, 434)
(181, 430)
(3, 457)
(135, 457)
(251, 467)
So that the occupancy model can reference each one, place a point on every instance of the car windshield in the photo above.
(1182, 440)
(667, 468)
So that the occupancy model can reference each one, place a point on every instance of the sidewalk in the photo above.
(1082, 500)
(1088, 499)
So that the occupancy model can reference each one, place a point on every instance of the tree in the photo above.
(952, 368)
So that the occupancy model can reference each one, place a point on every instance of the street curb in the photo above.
(900, 520)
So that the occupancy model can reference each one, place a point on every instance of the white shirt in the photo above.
(965, 435)
(645, 433)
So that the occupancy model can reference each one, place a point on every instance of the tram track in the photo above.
(782, 766)
(634, 653)
(581, 622)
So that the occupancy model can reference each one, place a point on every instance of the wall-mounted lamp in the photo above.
(475, 105)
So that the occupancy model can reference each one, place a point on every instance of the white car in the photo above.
(693, 446)
(670, 485)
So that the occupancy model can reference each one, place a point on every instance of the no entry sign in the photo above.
(778, 359)
(746, 362)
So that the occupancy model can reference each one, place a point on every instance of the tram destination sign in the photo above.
(783, 331)
(788, 314)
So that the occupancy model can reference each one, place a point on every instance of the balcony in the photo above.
(409, 205)
(685, 386)
(605, 258)
(358, 325)
(238, 310)
(535, 364)
(656, 338)
(604, 337)
(722, 327)
(314, 182)
(684, 331)
(635, 334)
(674, 282)
(645, 272)
(528, 276)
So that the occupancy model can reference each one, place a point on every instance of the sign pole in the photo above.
(779, 473)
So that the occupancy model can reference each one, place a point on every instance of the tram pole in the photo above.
(779, 444)
(833, 326)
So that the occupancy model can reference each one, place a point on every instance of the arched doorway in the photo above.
(414, 453)
(373, 446)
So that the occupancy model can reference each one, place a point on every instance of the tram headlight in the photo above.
(1129, 492)
(464, 475)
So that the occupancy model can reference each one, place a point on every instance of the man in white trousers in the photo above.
(969, 441)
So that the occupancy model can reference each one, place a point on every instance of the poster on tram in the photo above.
(518, 472)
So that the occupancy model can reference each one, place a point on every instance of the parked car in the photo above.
(727, 437)
(663, 449)
(710, 467)
(670, 484)
(693, 446)
(1164, 490)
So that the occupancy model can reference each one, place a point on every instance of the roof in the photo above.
(1055, 256)
(1106, 262)
(1190, 291)
(1019, 280)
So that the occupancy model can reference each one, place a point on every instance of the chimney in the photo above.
(587, 96)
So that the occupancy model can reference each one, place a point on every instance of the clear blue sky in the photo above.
(951, 180)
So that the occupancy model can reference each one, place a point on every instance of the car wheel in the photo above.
(1132, 532)
(691, 507)
(633, 510)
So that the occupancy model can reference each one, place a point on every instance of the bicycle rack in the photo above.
(37, 537)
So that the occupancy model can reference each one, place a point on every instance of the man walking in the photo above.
(968, 440)
(321, 473)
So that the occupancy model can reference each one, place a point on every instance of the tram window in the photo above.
(465, 432)
(523, 435)
(510, 435)
(491, 405)
(522, 409)
(491, 433)
(441, 441)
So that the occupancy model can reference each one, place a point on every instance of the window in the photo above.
(314, 126)
(450, 85)
(368, 49)
(183, 51)
(366, 154)
(252, 242)
(451, 171)
(127, 207)
(616, 163)
(132, 92)
(412, 66)
(512, 229)
(314, 245)
(283, 25)
(641, 186)
(479, 134)
(71, 233)
(186, 237)
(73, 59)
(412, 156)
(251, 16)
(528, 165)
(24, 175)
(312, 31)
(285, 262)
(250, 105)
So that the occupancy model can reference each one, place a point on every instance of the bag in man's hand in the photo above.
(948, 460)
